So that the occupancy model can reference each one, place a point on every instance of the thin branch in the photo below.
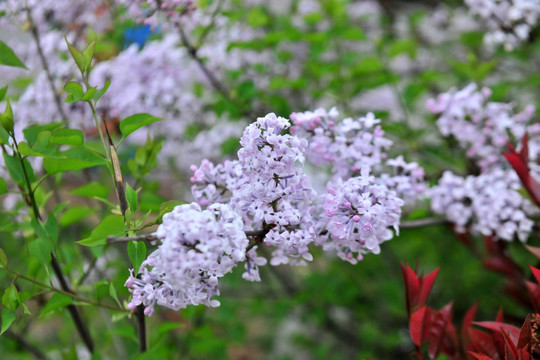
(125, 239)
(142, 328)
(45, 64)
(38, 354)
(68, 293)
(193, 52)
(412, 224)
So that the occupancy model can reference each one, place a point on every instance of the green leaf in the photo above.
(15, 169)
(75, 92)
(11, 298)
(78, 56)
(8, 57)
(75, 214)
(137, 254)
(399, 47)
(41, 248)
(92, 190)
(112, 292)
(3, 258)
(6, 118)
(89, 94)
(74, 159)
(7, 319)
(112, 225)
(67, 137)
(167, 207)
(132, 198)
(102, 91)
(4, 136)
(3, 186)
(88, 54)
(135, 122)
(31, 133)
(56, 302)
(3, 92)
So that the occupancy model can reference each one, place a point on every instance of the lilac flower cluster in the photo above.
(352, 145)
(360, 213)
(150, 11)
(488, 204)
(481, 126)
(268, 186)
(197, 248)
(510, 22)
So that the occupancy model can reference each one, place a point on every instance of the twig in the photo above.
(142, 328)
(125, 239)
(193, 52)
(412, 224)
(68, 293)
(45, 64)
(26, 345)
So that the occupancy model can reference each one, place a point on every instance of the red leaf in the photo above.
(501, 328)
(478, 356)
(467, 323)
(536, 273)
(438, 330)
(534, 293)
(510, 350)
(425, 286)
(419, 325)
(499, 317)
(412, 286)
(525, 335)
(483, 342)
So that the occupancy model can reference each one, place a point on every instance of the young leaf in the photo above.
(40, 248)
(112, 292)
(3, 92)
(112, 225)
(135, 122)
(102, 91)
(92, 190)
(78, 56)
(67, 137)
(11, 300)
(6, 118)
(167, 207)
(8, 317)
(57, 301)
(3, 186)
(75, 214)
(75, 92)
(8, 57)
(88, 54)
(137, 254)
(132, 198)
(3, 258)
(74, 159)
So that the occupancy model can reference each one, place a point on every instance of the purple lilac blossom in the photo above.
(480, 126)
(509, 22)
(197, 248)
(488, 204)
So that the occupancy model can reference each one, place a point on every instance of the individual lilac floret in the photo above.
(216, 183)
(360, 213)
(481, 127)
(197, 248)
(278, 191)
(489, 204)
(348, 145)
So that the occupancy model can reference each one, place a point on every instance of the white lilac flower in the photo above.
(480, 126)
(360, 213)
(488, 204)
(158, 12)
(509, 21)
(197, 248)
